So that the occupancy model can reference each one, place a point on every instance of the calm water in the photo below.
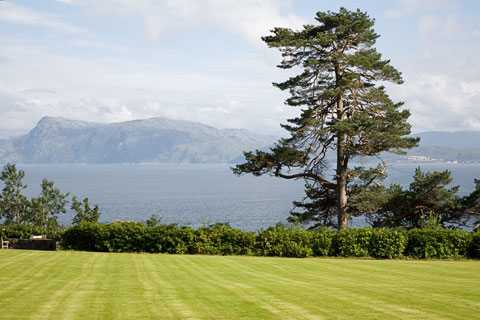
(196, 194)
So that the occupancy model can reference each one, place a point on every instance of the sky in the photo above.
(203, 60)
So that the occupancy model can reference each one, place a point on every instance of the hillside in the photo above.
(159, 140)
(439, 146)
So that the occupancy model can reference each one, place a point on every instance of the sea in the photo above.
(199, 194)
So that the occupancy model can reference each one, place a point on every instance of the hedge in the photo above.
(442, 244)
(281, 241)
(22, 231)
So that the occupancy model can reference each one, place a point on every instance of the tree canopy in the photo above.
(427, 202)
(42, 210)
(344, 109)
(13, 204)
(83, 211)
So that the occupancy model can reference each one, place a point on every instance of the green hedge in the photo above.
(442, 244)
(281, 241)
(474, 247)
(22, 231)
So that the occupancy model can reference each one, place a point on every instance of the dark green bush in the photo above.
(322, 242)
(88, 236)
(387, 244)
(221, 239)
(126, 237)
(23, 231)
(474, 248)
(351, 243)
(438, 243)
(175, 239)
(281, 240)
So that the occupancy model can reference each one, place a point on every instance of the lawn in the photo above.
(85, 285)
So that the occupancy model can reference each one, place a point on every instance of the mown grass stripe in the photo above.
(80, 285)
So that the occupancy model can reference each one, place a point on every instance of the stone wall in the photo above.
(29, 244)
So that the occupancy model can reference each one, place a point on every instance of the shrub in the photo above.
(284, 241)
(175, 239)
(126, 237)
(474, 248)
(351, 243)
(221, 239)
(23, 231)
(88, 236)
(387, 244)
(322, 242)
(438, 243)
(281, 240)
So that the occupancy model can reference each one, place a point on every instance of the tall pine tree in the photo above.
(343, 108)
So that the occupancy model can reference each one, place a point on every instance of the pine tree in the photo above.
(427, 202)
(343, 109)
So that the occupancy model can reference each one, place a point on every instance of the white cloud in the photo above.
(40, 78)
(23, 15)
(251, 19)
(441, 86)
(39, 81)
(440, 102)
(91, 77)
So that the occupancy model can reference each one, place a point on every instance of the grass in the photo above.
(85, 285)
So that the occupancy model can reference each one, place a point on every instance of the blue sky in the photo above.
(203, 60)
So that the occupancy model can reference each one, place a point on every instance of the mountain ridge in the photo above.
(162, 140)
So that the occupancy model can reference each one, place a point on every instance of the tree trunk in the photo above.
(342, 165)
(341, 184)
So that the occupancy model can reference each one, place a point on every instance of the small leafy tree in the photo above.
(48, 205)
(153, 221)
(83, 212)
(13, 204)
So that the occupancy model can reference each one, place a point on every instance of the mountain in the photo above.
(460, 146)
(155, 140)
(161, 140)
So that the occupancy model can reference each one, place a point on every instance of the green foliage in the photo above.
(86, 236)
(387, 244)
(41, 211)
(474, 248)
(48, 205)
(442, 243)
(351, 243)
(85, 213)
(284, 241)
(427, 203)
(154, 221)
(281, 241)
(13, 204)
(344, 108)
(322, 242)
(175, 239)
(221, 239)
(22, 231)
